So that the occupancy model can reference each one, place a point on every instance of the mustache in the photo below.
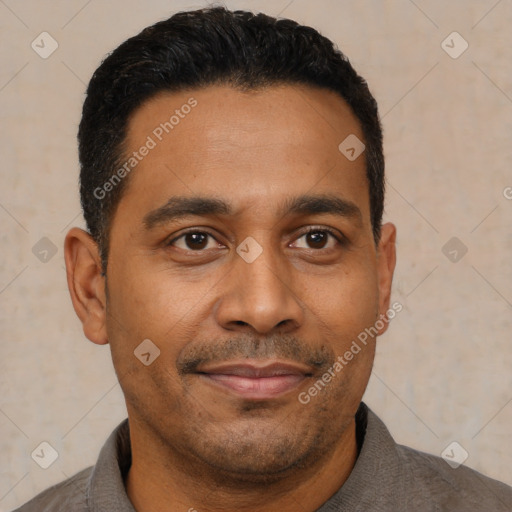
(249, 347)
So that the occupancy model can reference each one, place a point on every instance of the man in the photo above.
(232, 181)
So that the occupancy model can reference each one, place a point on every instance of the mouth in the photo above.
(256, 380)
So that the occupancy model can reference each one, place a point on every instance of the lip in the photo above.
(256, 380)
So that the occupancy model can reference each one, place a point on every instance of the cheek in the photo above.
(344, 306)
(145, 335)
(344, 309)
(347, 313)
(151, 305)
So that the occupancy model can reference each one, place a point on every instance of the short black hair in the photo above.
(200, 48)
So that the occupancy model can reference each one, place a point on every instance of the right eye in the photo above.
(193, 240)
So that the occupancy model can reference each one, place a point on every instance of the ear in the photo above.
(86, 284)
(386, 261)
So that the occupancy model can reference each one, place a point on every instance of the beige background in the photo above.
(443, 370)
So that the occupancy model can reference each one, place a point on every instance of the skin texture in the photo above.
(304, 299)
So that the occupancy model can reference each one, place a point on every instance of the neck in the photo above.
(161, 480)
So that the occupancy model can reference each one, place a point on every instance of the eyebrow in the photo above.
(180, 207)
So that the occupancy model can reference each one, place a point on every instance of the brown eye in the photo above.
(319, 239)
(193, 241)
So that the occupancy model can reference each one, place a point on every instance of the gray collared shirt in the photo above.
(387, 477)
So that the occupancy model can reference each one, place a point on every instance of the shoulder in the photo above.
(406, 479)
(63, 497)
(455, 489)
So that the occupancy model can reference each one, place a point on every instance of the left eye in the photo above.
(318, 238)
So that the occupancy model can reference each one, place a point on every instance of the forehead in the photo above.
(254, 147)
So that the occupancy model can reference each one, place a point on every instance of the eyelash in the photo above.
(314, 229)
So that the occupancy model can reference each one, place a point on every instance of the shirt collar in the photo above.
(105, 488)
(377, 466)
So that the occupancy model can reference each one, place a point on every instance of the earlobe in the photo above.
(86, 283)
(386, 267)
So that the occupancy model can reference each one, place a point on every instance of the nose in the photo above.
(258, 296)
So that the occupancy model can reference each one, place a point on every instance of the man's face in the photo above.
(241, 333)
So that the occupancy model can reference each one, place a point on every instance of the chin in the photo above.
(257, 455)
